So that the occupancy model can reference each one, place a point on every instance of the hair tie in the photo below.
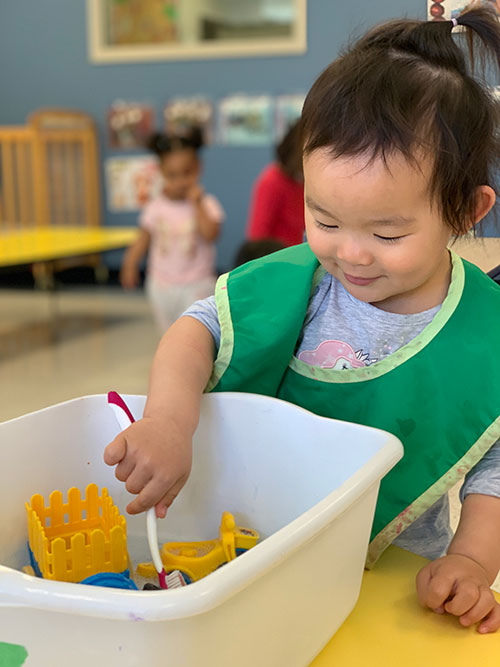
(455, 22)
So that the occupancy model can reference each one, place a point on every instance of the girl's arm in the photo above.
(129, 272)
(153, 455)
(478, 533)
(459, 583)
(208, 225)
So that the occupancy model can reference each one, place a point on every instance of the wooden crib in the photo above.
(49, 177)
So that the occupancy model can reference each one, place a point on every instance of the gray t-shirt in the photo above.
(341, 332)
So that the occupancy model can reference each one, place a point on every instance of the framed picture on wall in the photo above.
(141, 30)
(445, 10)
(131, 182)
(182, 113)
(129, 125)
(246, 120)
(287, 110)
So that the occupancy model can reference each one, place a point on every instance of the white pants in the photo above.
(170, 301)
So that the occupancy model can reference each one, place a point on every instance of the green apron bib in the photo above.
(439, 394)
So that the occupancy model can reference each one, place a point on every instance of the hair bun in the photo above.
(194, 136)
(159, 143)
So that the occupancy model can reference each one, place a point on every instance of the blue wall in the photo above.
(43, 56)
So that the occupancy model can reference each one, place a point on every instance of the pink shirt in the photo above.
(178, 254)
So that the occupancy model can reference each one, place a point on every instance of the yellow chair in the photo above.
(49, 179)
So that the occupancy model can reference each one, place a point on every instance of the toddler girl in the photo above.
(179, 229)
(374, 320)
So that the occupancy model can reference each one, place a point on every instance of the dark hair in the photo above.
(162, 143)
(289, 151)
(406, 87)
(254, 249)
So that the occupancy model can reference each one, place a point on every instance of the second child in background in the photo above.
(277, 203)
(177, 230)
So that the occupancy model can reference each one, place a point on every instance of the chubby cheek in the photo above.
(320, 241)
(405, 265)
(323, 250)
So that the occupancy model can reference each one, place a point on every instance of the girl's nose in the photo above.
(353, 253)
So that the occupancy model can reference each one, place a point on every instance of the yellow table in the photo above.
(48, 243)
(44, 244)
(388, 628)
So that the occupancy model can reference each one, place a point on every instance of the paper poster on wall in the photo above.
(145, 22)
(182, 113)
(287, 110)
(131, 182)
(245, 120)
(445, 10)
(129, 125)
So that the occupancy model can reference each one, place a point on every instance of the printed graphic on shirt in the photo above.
(337, 355)
(183, 234)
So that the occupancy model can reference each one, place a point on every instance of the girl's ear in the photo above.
(485, 200)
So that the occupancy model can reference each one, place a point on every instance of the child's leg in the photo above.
(170, 301)
(195, 292)
(163, 300)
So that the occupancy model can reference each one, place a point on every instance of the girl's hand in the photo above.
(459, 585)
(195, 193)
(153, 458)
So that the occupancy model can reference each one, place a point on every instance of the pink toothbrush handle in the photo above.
(115, 398)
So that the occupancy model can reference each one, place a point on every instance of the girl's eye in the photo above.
(389, 239)
(323, 226)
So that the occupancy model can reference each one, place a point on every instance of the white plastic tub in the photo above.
(307, 484)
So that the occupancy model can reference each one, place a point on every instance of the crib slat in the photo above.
(70, 197)
(55, 156)
(91, 191)
(40, 180)
(24, 181)
(8, 191)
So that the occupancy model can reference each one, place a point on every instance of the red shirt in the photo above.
(277, 208)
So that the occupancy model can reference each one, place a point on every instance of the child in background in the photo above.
(250, 250)
(277, 202)
(179, 229)
(374, 320)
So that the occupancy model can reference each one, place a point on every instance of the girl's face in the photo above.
(376, 230)
(181, 170)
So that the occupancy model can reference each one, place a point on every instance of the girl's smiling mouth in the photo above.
(359, 281)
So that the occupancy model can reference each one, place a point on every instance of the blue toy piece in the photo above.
(108, 579)
(111, 580)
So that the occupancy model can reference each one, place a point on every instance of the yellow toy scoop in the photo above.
(196, 560)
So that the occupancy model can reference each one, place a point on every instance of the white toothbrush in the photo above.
(125, 418)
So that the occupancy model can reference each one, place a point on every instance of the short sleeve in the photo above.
(213, 208)
(205, 311)
(147, 217)
(484, 477)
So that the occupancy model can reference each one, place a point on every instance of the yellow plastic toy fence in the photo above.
(74, 540)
